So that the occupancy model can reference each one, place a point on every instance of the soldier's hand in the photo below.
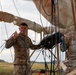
(15, 34)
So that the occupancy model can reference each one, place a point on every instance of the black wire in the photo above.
(35, 59)
(41, 18)
(53, 10)
(45, 10)
(51, 66)
(48, 15)
(44, 56)
(54, 66)
(53, 21)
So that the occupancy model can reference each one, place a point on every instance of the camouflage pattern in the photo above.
(22, 70)
(71, 64)
(21, 54)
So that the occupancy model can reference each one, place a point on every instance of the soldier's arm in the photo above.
(34, 47)
(10, 42)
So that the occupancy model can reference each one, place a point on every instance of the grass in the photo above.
(7, 68)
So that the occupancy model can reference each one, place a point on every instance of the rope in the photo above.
(41, 18)
(54, 63)
(6, 33)
(2, 44)
(15, 7)
(44, 56)
(35, 59)
(44, 8)
(7, 37)
(2, 50)
(54, 9)
(1, 5)
(53, 16)
(3, 47)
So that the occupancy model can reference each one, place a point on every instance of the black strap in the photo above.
(22, 42)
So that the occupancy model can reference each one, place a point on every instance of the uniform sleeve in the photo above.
(34, 47)
(10, 42)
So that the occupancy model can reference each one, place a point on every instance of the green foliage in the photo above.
(2, 60)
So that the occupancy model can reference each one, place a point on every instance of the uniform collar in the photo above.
(21, 34)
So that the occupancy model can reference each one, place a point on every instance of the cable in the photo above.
(2, 50)
(7, 37)
(2, 44)
(53, 18)
(16, 7)
(35, 59)
(54, 64)
(0, 5)
(41, 18)
(44, 9)
(6, 31)
(44, 56)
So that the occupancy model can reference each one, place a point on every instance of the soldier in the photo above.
(71, 63)
(21, 43)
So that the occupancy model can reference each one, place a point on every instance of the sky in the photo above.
(27, 10)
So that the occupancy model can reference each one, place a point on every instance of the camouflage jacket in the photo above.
(21, 53)
(71, 63)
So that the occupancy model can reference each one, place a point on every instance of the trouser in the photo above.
(70, 71)
(71, 64)
(21, 70)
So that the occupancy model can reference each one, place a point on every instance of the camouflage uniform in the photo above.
(71, 64)
(22, 60)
